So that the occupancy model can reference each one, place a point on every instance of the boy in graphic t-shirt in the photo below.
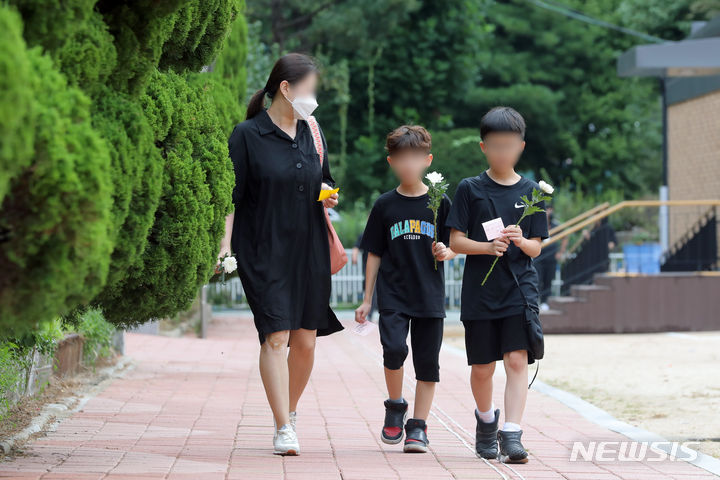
(493, 314)
(399, 239)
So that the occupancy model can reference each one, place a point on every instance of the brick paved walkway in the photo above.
(195, 409)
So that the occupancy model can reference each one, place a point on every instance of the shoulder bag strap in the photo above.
(527, 304)
(317, 139)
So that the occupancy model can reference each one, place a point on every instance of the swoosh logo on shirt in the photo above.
(519, 206)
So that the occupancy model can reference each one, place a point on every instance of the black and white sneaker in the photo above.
(511, 448)
(416, 440)
(486, 445)
(395, 415)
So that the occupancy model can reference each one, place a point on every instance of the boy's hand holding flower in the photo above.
(499, 246)
(441, 252)
(514, 234)
(436, 190)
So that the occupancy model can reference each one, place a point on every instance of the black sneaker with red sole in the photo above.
(416, 440)
(395, 414)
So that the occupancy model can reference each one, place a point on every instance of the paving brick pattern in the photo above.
(195, 409)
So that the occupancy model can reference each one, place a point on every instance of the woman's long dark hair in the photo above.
(291, 67)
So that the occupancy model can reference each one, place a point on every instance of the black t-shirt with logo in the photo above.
(400, 230)
(477, 200)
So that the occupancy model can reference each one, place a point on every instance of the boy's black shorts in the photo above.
(425, 337)
(487, 340)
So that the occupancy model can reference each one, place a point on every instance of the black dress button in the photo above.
(298, 165)
(301, 188)
(294, 145)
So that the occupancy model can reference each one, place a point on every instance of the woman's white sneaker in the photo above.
(286, 442)
(293, 420)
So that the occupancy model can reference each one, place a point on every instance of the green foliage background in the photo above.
(114, 172)
(444, 64)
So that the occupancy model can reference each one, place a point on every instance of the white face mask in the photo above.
(304, 106)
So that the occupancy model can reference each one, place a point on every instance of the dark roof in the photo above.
(710, 29)
(691, 67)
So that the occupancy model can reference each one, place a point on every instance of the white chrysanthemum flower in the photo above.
(229, 264)
(434, 177)
(546, 187)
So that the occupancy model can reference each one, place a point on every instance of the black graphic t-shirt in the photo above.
(477, 200)
(400, 230)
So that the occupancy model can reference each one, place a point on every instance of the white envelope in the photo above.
(493, 228)
(364, 328)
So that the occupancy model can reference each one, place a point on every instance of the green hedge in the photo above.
(115, 176)
(57, 212)
(190, 220)
(16, 101)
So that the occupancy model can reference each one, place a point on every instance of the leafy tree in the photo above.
(586, 126)
(457, 155)
(667, 20)
(444, 64)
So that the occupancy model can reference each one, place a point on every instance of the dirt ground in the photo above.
(666, 383)
(22, 413)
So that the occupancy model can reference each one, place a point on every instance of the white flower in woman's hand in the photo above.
(546, 187)
(229, 264)
(434, 177)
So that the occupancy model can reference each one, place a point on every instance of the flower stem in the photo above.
(435, 231)
(498, 258)
(489, 271)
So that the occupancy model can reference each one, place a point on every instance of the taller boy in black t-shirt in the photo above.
(493, 313)
(399, 239)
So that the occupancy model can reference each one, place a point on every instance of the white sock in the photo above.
(511, 427)
(489, 416)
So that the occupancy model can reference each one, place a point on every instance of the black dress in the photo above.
(279, 234)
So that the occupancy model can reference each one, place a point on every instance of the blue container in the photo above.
(643, 258)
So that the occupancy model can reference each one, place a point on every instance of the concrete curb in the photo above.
(601, 417)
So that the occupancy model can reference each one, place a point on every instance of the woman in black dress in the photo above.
(279, 235)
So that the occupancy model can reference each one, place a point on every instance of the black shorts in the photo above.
(487, 340)
(425, 337)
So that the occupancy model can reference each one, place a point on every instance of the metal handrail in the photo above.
(578, 218)
(625, 204)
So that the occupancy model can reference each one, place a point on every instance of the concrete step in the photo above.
(560, 303)
(563, 299)
(588, 292)
(591, 287)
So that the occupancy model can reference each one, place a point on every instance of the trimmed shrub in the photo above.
(230, 64)
(115, 176)
(196, 197)
(136, 171)
(16, 121)
(57, 213)
(199, 30)
(74, 35)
